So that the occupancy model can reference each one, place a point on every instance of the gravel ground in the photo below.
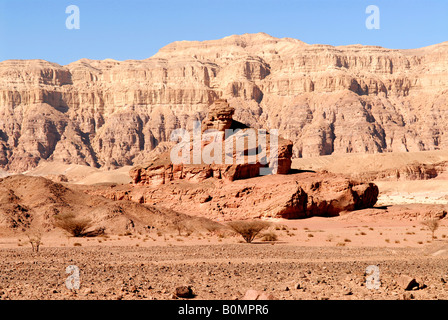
(220, 272)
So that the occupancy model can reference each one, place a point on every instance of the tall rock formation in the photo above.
(222, 148)
(326, 99)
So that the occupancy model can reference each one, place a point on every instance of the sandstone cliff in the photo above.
(325, 99)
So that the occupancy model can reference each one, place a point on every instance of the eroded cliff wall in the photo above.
(348, 99)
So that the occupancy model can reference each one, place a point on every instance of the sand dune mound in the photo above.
(76, 173)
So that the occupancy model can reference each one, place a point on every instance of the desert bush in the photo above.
(213, 228)
(77, 227)
(180, 225)
(35, 239)
(269, 236)
(432, 225)
(248, 229)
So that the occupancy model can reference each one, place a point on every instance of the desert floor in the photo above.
(317, 258)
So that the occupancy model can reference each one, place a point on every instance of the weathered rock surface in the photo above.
(208, 154)
(291, 196)
(346, 99)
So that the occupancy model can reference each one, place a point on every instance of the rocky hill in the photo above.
(325, 99)
(33, 202)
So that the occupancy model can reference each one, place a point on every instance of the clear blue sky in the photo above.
(136, 29)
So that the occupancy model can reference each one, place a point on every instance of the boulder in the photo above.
(407, 282)
(184, 292)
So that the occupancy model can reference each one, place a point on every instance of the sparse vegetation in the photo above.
(248, 229)
(75, 226)
(269, 236)
(178, 225)
(35, 239)
(432, 225)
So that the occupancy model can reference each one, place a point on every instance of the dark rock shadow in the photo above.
(294, 171)
(381, 207)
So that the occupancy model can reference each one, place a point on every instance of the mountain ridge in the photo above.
(326, 99)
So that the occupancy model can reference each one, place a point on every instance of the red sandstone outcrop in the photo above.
(298, 195)
(218, 131)
(346, 99)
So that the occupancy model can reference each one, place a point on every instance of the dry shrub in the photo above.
(77, 227)
(181, 224)
(35, 239)
(432, 225)
(269, 236)
(248, 229)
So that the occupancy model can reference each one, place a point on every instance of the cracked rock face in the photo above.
(325, 99)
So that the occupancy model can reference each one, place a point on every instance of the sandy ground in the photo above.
(80, 174)
(434, 191)
(358, 163)
(326, 258)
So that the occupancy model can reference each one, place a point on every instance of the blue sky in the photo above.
(136, 29)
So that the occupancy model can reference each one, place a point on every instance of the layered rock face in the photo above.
(223, 148)
(347, 99)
